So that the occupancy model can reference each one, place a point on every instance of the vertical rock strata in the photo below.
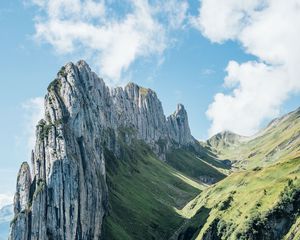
(22, 219)
(66, 198)
(178, 126)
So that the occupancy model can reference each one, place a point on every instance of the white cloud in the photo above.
(5, 199)
(207, 71)
(115, 38)
(175, 12)
(34, 111)
(268, 29)
(223, 20)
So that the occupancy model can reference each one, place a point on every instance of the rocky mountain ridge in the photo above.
(83, 117)
(108, 164)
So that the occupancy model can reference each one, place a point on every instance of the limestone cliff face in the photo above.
(178, 126)
(22, 196)
(66, 197)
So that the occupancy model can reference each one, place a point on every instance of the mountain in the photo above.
(102, 164)
(6, 215)
(225, 139)
(261, 198)
(108, 164)
(280, 139)
(262, 203)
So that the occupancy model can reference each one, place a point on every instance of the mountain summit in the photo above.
(84, 119)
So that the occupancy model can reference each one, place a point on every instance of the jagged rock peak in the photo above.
(83, 119)
(23, 188)
(178, 126)
(141, 90)
(180, 109)
(132, 106)
(22, 199)
(180, 113)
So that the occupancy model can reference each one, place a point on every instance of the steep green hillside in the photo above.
(144, 193)
(152, 199)
(207, 171)
(279, 140)
(263, 203)
(294, 232)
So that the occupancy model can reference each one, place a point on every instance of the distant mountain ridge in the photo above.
(280, 139)
(225, 139)
(261, 198)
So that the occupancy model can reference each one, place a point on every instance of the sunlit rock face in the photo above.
(65, 195)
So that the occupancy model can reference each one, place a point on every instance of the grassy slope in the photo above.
(294, 232)
(280, 140)
(188, 163)
(240, 197)
(144, 193)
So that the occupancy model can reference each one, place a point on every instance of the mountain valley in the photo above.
(108, 164)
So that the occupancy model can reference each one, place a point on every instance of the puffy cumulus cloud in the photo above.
(223, 20)
(257, 91)
(111, 36)
(269, 30)
(33, 112)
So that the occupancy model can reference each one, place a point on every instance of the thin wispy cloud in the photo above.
(112, 40)
(269, 30)
(207, 71)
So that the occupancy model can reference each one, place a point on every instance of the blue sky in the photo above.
(187, 66)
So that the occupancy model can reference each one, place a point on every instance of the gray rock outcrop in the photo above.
(178, 126)
(22, 217)
(67, 196)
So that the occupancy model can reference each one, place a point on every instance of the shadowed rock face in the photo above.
(67, 196)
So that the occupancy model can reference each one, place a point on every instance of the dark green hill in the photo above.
(144, 193)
